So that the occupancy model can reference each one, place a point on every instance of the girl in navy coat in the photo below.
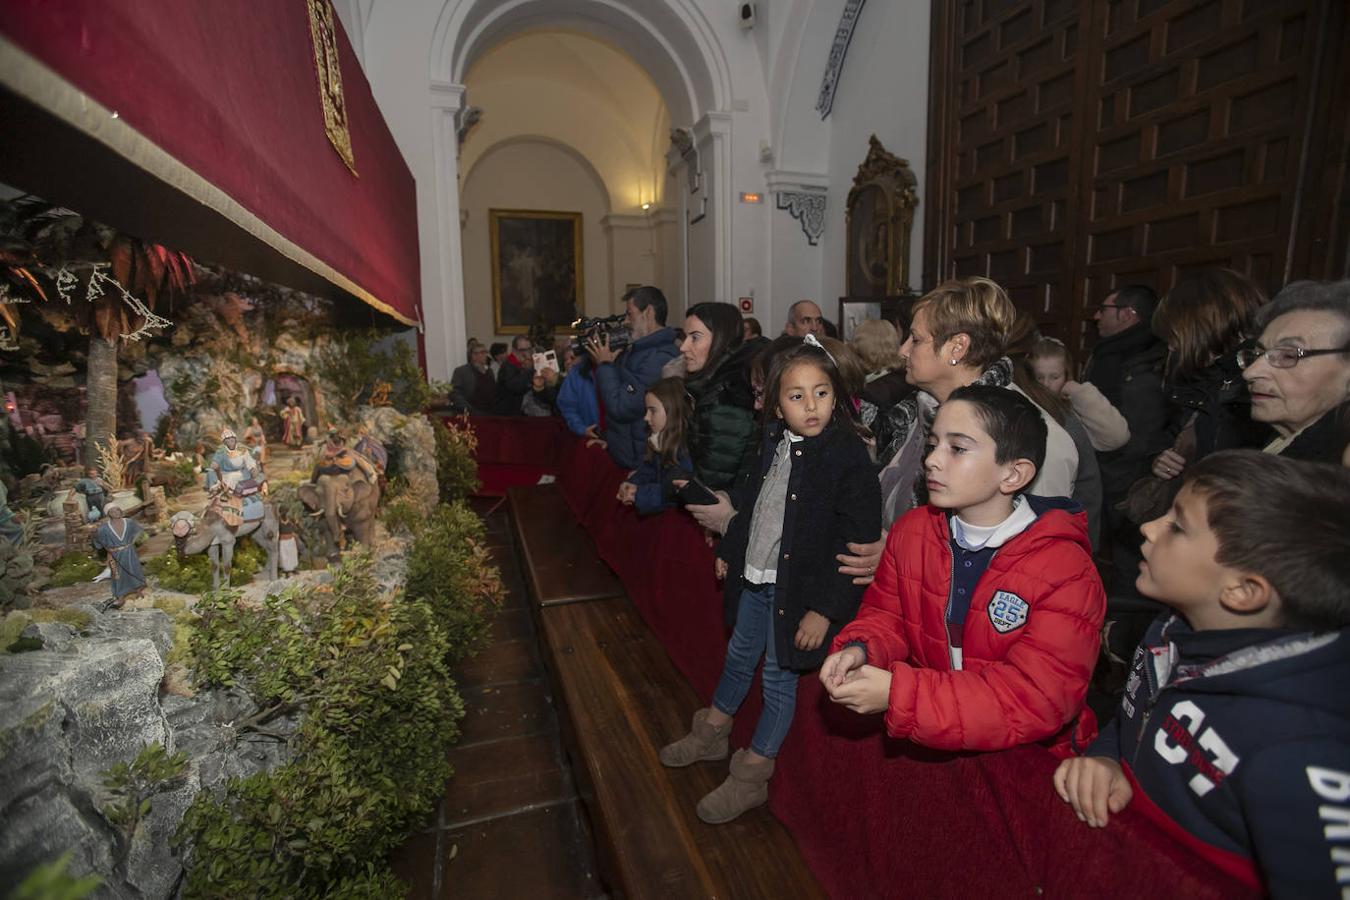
(813, 492)
(669, 412)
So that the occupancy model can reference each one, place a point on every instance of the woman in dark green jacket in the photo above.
(717, 366)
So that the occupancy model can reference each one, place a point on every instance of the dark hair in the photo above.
(1012, 421)
(497, 347)
(724, 325)
(831, 330)
(1139, 297)
(1207, 316)
(679, 407)
(1286, 520)
(755, 328)
(1309, 296)
(646, 296)
(762, 364)
(803, 353)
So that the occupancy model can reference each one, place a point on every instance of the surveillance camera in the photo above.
(746, 13)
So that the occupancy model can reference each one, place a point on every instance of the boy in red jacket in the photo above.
(981, 629)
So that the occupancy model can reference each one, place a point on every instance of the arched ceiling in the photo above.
(670, 39)
(581, 93)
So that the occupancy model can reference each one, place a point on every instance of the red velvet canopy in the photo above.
(206, 133)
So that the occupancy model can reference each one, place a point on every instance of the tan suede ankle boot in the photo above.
(745, 788)
(702, 742)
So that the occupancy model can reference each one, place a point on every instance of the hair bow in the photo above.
(812, 341)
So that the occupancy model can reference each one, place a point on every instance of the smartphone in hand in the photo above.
(695, 493)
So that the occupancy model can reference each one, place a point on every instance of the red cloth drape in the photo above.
(230, 91)
(874, 817)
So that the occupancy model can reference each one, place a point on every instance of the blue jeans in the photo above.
(753, 638)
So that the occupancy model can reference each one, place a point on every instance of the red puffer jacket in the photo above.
(1026, 663)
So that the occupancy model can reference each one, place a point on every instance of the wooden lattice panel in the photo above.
(1014, 147)
(1200, 111)
(1077, 145)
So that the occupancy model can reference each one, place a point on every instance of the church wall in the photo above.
(531, 175)
(883, 91)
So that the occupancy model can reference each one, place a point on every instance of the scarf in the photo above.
(902, 432)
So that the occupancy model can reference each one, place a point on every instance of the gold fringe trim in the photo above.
(34, 81)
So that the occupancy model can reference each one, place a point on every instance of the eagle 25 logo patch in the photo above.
(1008, 611)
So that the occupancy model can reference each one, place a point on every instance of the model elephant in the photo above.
(216, 537)
(347, 500)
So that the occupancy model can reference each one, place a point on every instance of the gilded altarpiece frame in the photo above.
(879, 219)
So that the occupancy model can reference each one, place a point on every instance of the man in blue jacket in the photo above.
(623, 378)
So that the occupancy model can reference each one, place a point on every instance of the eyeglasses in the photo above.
(1282, 357)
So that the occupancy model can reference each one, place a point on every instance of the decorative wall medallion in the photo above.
(843, 35)
(323, 31)
(808, 208)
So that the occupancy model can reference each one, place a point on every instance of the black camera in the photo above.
(614, 327)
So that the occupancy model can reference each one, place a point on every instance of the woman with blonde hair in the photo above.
(959, 336)
(877, 343)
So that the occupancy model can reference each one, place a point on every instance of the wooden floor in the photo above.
(561, 795)
(511, 823)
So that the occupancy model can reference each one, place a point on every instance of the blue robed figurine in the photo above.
(237, 469)
(117, 535)
(94, 489)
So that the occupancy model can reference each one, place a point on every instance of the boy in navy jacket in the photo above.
(1234, 731)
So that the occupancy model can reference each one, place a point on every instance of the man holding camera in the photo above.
(624, 376)
(513, 379)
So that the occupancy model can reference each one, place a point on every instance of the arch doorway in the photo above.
(278, 391)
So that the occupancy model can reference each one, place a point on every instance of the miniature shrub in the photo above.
(74, 568)
(456, 468)
(133, 785)
(403, 515)
(368, 672)
(53, 881)
(451, 570)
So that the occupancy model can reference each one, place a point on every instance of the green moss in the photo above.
(74, 568)
(192, 574)
(77, 619)
(12, 625)
(171, 605)
(189, 575)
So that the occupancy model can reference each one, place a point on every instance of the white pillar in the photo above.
(443, 297)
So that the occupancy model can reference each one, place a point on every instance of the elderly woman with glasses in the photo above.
(1298, 373)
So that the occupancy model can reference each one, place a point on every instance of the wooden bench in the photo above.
(561, 565)
(620, 699)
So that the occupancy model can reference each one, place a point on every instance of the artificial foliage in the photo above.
(192, 574)
(456, 469)
(450, 569)
(132, 786)
(354, 363)
(367, 673)
(53, 881)
(74, 568)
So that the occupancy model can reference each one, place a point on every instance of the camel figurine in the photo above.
(215, 536)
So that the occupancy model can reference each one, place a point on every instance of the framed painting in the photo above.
(536, 269)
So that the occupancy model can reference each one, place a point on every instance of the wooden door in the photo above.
(1077, 145)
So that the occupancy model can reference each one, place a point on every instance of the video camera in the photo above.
(614, 327)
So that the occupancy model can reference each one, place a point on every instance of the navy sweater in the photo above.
(1242, 739)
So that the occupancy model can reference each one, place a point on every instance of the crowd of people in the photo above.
(956, 525)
